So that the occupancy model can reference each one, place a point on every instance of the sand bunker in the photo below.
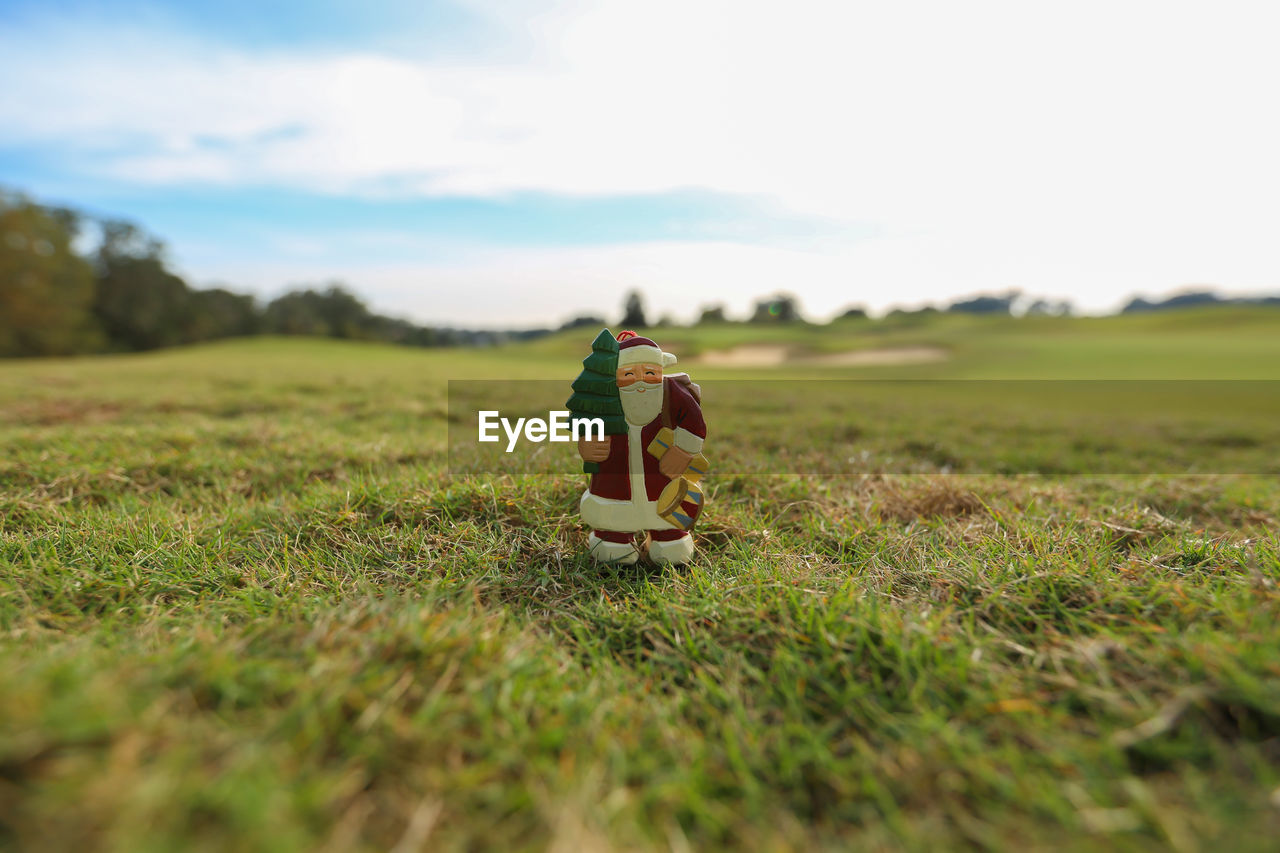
(775, 355)
(877, 357)
(747, 356)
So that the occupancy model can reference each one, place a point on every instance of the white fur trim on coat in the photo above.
(687, 441)
(645, 355)
(626, 516)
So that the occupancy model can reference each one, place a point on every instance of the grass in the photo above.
(244, 605)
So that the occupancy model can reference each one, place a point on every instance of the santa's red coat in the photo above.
(612, 480)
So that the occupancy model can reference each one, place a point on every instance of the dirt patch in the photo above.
(938, 499)
(882, 357)
(748, 356)
(773, 355)
(61, 411)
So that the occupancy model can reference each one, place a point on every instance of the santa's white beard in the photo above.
(641, 402)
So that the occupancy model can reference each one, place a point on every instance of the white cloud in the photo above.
(1088, 148)
(169, 109)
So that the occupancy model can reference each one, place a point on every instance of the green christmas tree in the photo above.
(595, 391)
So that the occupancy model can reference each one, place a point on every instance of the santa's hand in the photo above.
(594, 449)
(674, 462)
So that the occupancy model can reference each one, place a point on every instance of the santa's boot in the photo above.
(670, 546)
(610, 546)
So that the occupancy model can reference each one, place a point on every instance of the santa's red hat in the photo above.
(633, 349)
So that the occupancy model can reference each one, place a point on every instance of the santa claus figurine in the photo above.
(644, 480)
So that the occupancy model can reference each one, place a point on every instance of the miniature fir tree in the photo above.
(595, 391)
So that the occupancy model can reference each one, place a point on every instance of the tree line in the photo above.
(72, 284)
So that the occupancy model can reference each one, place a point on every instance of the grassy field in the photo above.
(244, 604)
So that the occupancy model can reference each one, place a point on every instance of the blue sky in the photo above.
(518, 161)
(318, 24)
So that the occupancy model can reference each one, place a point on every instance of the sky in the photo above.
(517, 163)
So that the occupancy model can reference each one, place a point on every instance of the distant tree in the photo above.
(782, 308)
(711, 314)
(1045, 308)
(528, 334)
(46, 290)
(854, 312)
(450, 338)
(985, 304)
(582, 321)
(633, 312)
(1191, 299)
(402, 332)
(334, 313)
(421, 336)
(666, 321)
(140, 303)
(295, 313)
(344, 314)
(1137, 305)
(219, 313)
(126, 297)
(1195, 299)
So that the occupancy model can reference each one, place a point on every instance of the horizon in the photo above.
(479, 165)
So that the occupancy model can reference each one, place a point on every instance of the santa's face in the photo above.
(640, 387)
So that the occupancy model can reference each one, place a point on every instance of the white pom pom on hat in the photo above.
(633, 349)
